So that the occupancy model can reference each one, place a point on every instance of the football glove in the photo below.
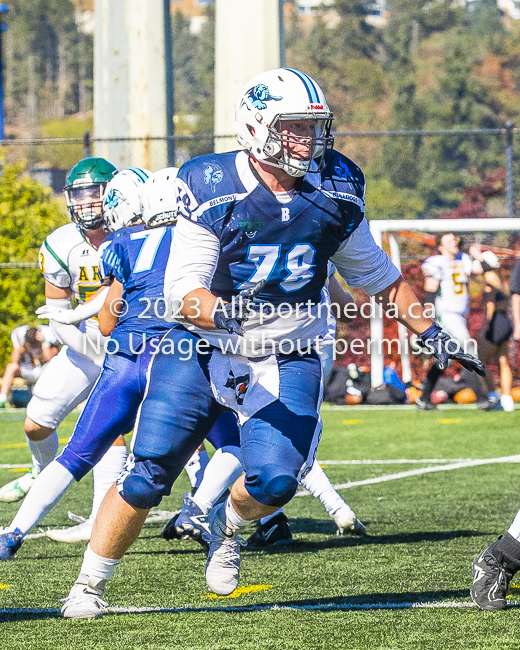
(65, 316)
(444, 348)
(231, 315)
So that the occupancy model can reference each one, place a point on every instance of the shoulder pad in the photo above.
(208, 182)
(343, 180)
(63, 239)
(343, 174)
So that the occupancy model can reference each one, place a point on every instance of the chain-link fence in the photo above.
(430, 163)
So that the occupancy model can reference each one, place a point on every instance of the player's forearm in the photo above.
(91, 307)
(48, 351)
(199, 308)
(111, 309)
(16, 355)
(107, 320)
(342, 299)
(398, 297)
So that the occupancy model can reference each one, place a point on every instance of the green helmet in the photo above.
(84, 189)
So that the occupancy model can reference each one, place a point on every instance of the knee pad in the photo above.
(144, 483)
(272, 486)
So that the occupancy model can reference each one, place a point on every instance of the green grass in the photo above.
(423, 532)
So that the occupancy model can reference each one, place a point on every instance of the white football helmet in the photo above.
(121, 201)
(159, 198)
(265, 106)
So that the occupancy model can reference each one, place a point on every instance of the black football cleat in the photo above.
(492, 572)
(276, 531)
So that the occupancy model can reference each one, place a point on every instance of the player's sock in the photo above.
(229, 519)
(264, 520)
(106, 473)
(52, 483)
(43, 451)
(3, 397)
(95, 566)
(195, 468)
(429, 384)
(320, 487)
(222, 470)
(514, 529)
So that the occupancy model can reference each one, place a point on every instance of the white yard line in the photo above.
(394, 461)
(441, 604)
(422, 470)
(19, 466)
(400, 407)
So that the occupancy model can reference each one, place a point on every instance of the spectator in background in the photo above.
(446, 278)
(497, 331)
(514, 289)
(33, 347)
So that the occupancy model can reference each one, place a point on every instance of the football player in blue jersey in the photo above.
(130, 306)
(132, 264)
(225, 465)
(248, 261)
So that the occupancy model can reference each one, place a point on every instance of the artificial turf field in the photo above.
(406, 585)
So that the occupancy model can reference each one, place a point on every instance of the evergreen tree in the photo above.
(461, 100)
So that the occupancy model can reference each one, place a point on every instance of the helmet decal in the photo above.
(213, 174)
(112, 198)
(283, 120)
(314, 98)
(258, 95)
(122, 200)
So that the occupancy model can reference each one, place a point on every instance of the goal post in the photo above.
(392, 227)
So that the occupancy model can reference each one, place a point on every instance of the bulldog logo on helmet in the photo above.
(257, 97)
(112, 198)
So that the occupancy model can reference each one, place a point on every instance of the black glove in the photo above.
(444, 348)
(231, 315)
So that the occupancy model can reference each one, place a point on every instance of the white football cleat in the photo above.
(17, 489)
(508, 403)
(80, 533)
(223, 565)
(348, 523)
(84, 600)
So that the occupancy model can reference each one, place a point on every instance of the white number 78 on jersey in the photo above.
(298, 262)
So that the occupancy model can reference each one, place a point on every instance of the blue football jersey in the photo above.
(288, 244)
(137, 258)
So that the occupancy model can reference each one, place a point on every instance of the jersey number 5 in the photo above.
(459, 286)
(298, 262)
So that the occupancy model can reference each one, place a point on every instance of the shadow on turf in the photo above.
(363, 602)
(312, 526)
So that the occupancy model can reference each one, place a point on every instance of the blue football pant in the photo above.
(179, 410)
(112, 408)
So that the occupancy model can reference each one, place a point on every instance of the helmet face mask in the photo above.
(84, 204)
(283, 120)
(84, 190)
(297, 140)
